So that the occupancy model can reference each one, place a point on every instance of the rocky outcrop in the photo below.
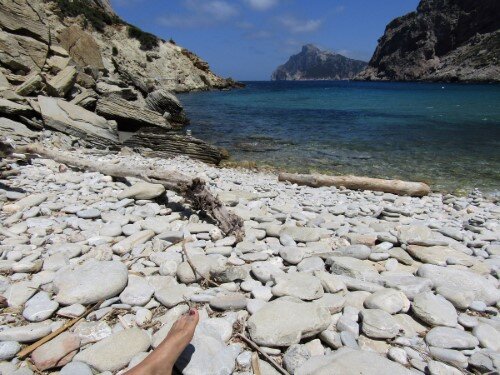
(443, 40)
(314, 64)
(77, 71)
(129, 116)
(76, 121)
(161, 143)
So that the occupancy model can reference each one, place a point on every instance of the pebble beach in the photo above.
(325, 281)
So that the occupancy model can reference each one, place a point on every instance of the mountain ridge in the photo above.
(312, 63)
(443, 40)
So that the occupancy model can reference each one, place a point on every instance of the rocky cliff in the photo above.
(312, 63)
(443, 40)
(81, 74)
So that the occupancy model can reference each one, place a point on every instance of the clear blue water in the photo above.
(445, 134)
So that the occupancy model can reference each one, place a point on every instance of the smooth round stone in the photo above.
(435, 310)
(91, 213)
(254, 305)
(295, 356)
(354, 251)
(71, 311)
(138, 291)
(449, 356)
(131, 229)
(311, 264)
(467, 321)
(143, 316)
(39, 308)
(479, 306)
(90, 282)
(8, 350)
(488, 336)
(292, 255)
(450, 338)
(398, 355)
(287, 240)
(112, 229)
(262, 292)
(244, 359)
(349, 340)
(232, 301)
(389, 300)
(76, 368)
(379, 324)
(168, 268)
(439, 368)
(391, 264)
(377, 257)
(300, 285)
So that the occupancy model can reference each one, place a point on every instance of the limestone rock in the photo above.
(90, 282)
(81, 46)
(142, 190)
(270, 326)
(18, 17)
(450, 338)
(77, 121)
(461, 280)
(434, 310)
(16, 130)
(300, 285)
(379, 324)
(57, 352)
(115, 352)
(128, 115)
(163, 101)
(351, 362)
(62, 82)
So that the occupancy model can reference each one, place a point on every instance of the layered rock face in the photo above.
(443, 40)
(77, 69)
(312, 63)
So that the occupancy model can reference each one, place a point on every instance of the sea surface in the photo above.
(447, 135)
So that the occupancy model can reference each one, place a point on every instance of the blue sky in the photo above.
(248, 39)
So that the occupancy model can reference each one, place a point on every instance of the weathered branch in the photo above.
(415, 189)
(263, 353)
(193, 190)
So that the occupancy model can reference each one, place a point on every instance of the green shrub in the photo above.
(98, 18)
(148, 41)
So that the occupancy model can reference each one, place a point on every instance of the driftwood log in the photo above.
(414, 189)
(194, 191)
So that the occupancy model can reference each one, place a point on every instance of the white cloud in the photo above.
(200, 13)
(297, 26)
(261, 4)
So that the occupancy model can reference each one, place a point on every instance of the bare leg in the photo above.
(161, 361)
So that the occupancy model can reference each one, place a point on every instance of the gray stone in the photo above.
(300, 285)
(230, 301)
(173, 295)
(302, 234)
(138, 291)
(488, 336)
(90, 282)
(379, 324)
(351, 362)
(115, 352)
(354, 251)
(126, 245)
(353, 267)
(62, 82)
(76, 368)
(389, 300)
(449, 356)
(295, 356)
(292, 255)
(434, 310)
(39, 307)
(142, 190)
(8, 350)
(24, 334)
(461, 280)
(270, 326)
(450, 338)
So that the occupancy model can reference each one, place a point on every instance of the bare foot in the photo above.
(161, 361)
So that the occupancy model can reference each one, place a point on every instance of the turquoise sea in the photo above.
(445, 134)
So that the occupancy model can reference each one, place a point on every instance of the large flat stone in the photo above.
(272, 324)
(90, 282)
(77, 121)
(115, 352)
